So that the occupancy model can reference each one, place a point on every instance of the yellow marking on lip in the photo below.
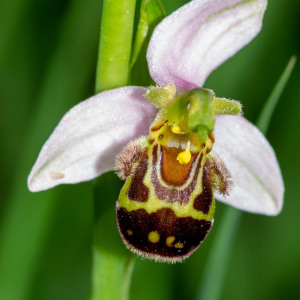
(154, 204)
(170, 240)
(159, 175)
(129, 232)
(153, 237)
(179, 245)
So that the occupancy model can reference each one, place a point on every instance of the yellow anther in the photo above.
(185, 156)
(176, 129)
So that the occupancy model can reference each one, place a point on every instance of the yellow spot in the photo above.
(179, 245)
(57, 175)
(153, 237)
(129, 232)
(185, 156)
(176, 129)
(170, 240)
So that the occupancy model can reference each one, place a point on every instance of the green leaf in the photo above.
(266, 113)
(151, 13)
(216, 265)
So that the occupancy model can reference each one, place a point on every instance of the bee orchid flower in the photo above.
(183, 141)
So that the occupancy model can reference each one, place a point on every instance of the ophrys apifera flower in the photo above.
(197, 142)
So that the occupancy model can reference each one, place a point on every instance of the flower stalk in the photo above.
(112, 268)
(115, 44)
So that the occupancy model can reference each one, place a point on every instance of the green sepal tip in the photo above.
(160, 97)
(223, 106)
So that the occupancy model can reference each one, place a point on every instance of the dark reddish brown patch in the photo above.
(173, 172)
(137, 191)
(203, 201)
(188, 231)
(172, 194)
(156, 128)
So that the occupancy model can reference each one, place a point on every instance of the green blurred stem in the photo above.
(118, 272)
(112, 262)
(112, 268)
(215, 271)
(115, 44)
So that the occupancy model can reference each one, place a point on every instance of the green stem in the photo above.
(112, 263)
(215, 271)
(127, 277)
(115, 44)
(114, 271)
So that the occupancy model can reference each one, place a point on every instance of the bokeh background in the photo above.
(48, 52)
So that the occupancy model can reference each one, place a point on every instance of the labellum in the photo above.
(166, 206)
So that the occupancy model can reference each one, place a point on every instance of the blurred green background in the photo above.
(48, 52)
